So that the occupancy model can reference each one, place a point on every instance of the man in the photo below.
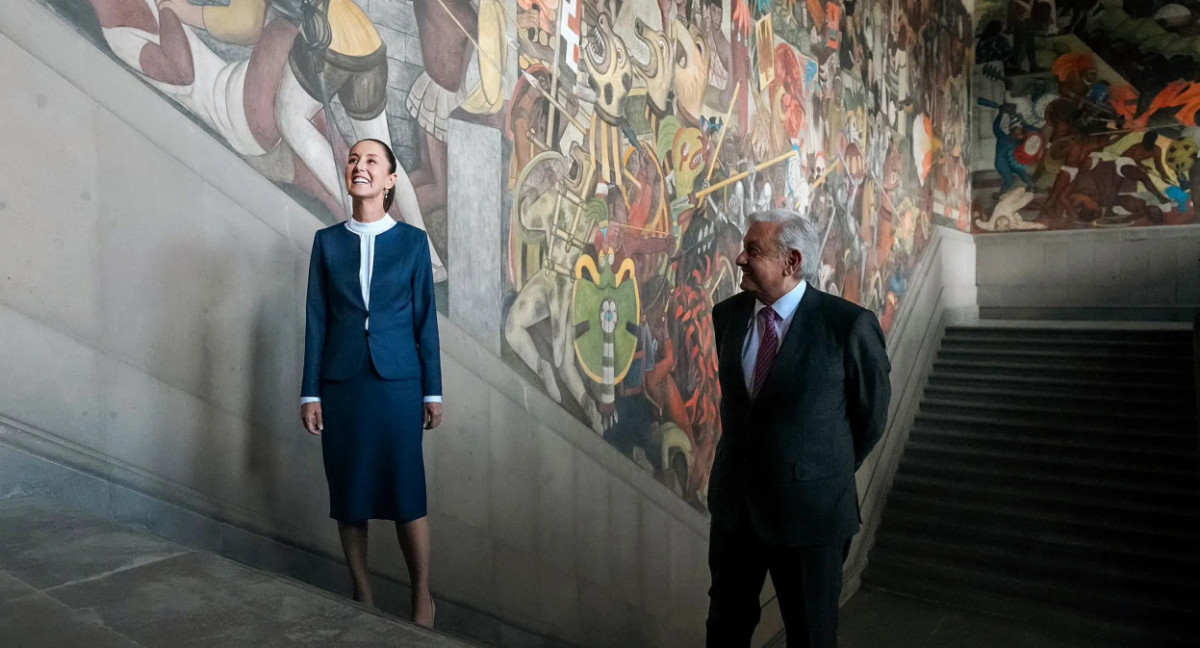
(805, 391)
(1007, 145)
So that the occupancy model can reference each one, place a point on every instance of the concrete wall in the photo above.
(151, 303)
(1129, 274)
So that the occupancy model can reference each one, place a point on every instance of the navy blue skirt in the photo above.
(372, 447)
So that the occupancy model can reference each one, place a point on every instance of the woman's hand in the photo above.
(433, 415)
(314, 421)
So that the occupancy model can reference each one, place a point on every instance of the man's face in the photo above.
(766, 270)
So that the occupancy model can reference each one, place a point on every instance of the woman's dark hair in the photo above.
(389, 195)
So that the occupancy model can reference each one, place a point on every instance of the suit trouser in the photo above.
(808, 583)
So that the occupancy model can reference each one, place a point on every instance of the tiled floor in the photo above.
(72, 580)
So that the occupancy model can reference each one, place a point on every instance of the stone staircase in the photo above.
(1051, 477)
(69, 579)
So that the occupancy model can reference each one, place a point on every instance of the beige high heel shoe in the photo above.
(433, 614)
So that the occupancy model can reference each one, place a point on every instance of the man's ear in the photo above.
(794, 261)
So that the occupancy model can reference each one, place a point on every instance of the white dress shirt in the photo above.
(785, 308)
(366, 268)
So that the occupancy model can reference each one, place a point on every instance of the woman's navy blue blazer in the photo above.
(402, 341)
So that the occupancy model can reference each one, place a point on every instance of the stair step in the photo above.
(1149, 458)
(1134, 447)
(1052, 547)
(1022, 333)
(1104, 507)
(1158, 377)
(1071, 359)
(1149, 407)
(1118, 430)
(1050, 481)
(1091, 613)
(1069, 467)
(1100, 595)
(1133, 422)
(1054, 385)
(1052, 564)
(1106, 348)
(1074, 349)
(972, 531)
(1062, 523)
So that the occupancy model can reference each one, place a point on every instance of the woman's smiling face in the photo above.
(368, 171)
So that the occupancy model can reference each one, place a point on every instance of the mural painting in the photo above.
(286, 84)
(644, 133)
(637, 137)
(1092, 109)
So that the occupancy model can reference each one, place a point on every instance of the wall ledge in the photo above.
(1095, 233)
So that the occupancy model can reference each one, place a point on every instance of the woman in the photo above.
(372, 370)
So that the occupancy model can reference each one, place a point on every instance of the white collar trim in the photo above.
(375, 227)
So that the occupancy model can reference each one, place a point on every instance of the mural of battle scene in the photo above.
(638, 136)
(1092, 109)
(644, 133)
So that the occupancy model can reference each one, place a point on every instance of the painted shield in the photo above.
(1031, 149)
(492, 50)
(605, 311)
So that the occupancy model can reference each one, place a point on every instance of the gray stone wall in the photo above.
(1144, 273)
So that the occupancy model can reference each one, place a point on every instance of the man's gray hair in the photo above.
(795, 233)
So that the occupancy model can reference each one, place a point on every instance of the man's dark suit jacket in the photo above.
(403, 339)
(787, 457)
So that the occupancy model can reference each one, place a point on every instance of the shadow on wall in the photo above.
(238, 407)
(281, 460)
(269, 389)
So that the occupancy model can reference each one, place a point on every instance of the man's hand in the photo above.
(433, 415)
(313, 419)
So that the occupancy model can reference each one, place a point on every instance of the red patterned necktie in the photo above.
(768, 347)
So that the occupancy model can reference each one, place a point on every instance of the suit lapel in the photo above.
(385, 262)
(346, 265)
(735, 342)
(798, 337)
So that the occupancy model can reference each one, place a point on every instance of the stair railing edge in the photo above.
(949, 306)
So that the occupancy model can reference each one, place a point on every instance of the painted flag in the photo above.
(570, 30)
(833, 26)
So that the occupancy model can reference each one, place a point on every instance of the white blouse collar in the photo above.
(375, 227)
